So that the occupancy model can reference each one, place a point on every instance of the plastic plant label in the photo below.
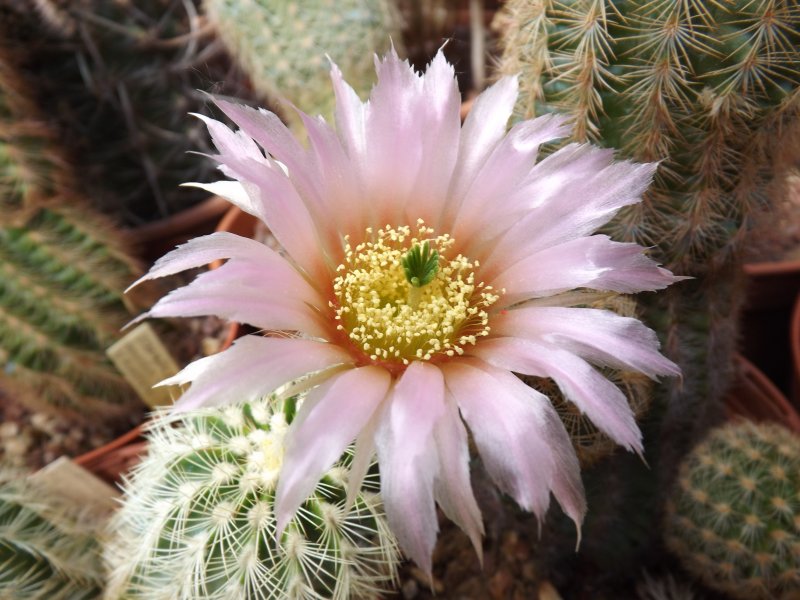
(76, 486)
(143, 360)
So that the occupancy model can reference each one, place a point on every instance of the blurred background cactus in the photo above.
(47, 551)
(282, 46)
(118, 80)
(734, 519)
(198, 521)
(63, 269)
(712, 91)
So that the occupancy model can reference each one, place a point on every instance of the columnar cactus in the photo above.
(197, 520)
(734, 519)
(63, 269)
(282, 45)
(709, 89)
(47, 551)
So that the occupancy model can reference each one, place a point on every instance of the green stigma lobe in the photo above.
(421, 265)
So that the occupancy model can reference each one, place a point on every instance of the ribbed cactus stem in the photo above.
(198, 518)
(63, 269)
(47, 550)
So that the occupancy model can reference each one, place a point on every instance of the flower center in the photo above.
(400, 297)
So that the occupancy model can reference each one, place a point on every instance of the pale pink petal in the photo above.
(599, 336)
(251, 368)
(502, 174)
(350, 113)
(393, 152)
(350, 207)
(267, 304)
(408, 459)
(273, 197)
(329, 419)
(521, 440)
(452, 487)
(208, 248)
(567, 198)
(363, 454)
(483, 129)
(440, 129)
(580, 383)
(593, 262)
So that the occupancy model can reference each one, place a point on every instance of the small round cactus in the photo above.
(47, 551)
(197, 519)
(734, 519)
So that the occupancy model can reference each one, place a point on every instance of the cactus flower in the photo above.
(423, 264)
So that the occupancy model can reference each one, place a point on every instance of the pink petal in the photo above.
(208, 248)
(452, 487)
(483, 129)
(363, 454)
(267, 304)
(392, 123)
(592, 393)
(273, 197)
(440, 130)
(408, 459)
(252, 368)
(328, 420)
(599, 336)
(522, 442)
(592, 262)
(570, 195)
(349, 206)
(502, 173)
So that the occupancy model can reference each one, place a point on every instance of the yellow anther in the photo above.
(373, 300)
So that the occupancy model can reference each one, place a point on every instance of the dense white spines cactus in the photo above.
(47, 550)
(197, 519)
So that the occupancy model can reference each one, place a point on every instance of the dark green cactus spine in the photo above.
(734, 519)
(198, 518)
(282, 45)
(62, 272)
(47, 552)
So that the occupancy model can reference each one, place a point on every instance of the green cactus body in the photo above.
(117, 81)
(63, 269)
(734, 519)
(283, 45)
(197, 520)
(47, 552)
(710, 89)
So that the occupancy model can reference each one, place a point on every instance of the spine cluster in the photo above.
(198, 519)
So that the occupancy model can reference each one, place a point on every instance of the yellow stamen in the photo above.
(390, 320)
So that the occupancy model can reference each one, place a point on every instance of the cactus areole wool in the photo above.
(423, 265)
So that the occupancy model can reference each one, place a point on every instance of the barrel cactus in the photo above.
(197, 519)
(48, 551)
(63, 269)
(734, 518)
(282, 45)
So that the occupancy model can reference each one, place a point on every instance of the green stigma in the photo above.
(421, 265)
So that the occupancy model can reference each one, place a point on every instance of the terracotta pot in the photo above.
(794, 338)
(155, 239)
(755, 397)
(772, 288)
(111, 461)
